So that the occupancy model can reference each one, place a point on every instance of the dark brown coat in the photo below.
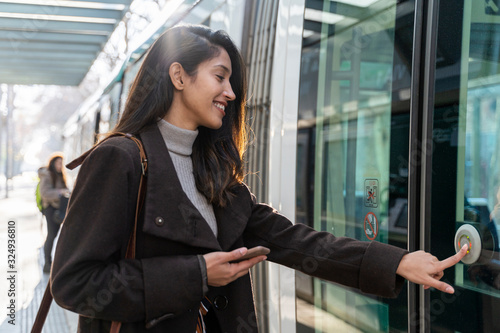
(162, 288)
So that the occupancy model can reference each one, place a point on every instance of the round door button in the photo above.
(469, 235)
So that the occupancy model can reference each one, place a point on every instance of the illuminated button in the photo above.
(467, 234)
(465, 239)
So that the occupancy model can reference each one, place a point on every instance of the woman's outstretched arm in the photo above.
(423, 268)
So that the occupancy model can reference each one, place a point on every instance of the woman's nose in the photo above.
(229, 93)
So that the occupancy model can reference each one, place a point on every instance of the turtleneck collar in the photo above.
(178, 140)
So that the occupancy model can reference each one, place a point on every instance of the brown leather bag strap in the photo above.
(130, 254)
(43, 311)
(78, 161)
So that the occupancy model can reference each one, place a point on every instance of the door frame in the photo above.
(420, 152)
(285, 80)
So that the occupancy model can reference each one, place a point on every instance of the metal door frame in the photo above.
(282, 150)
(420, 151)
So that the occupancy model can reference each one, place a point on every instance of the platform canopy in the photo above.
(54, 41)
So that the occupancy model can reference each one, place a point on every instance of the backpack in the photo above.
(38, 197)
(38, 193)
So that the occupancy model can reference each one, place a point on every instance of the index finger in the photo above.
(454, 259)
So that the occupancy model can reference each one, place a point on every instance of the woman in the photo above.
(187, 107)
(52, 188)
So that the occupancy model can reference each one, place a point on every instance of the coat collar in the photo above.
(170, 214)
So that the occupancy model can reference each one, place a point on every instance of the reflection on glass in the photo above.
(352, 148)
(465, 162)
(478, 179)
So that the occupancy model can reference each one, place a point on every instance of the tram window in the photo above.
(352, 148)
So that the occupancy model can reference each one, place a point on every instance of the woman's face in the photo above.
(204, 98)
(58, 164)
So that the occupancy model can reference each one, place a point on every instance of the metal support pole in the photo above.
(8, 139)
(476, 182)
(2, 126)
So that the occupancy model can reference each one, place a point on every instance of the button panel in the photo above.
(469, 235)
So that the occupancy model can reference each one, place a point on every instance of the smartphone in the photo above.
(253, 252)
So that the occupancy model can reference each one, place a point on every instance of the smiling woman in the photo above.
(198, 218)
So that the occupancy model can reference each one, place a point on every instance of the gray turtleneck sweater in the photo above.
(179, 142)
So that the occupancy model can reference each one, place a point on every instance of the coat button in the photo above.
(159, 221)
(220, 302)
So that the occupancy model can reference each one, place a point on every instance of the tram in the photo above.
(372, 119)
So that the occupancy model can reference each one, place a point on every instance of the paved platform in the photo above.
(30, 281)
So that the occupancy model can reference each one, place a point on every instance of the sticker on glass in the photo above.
(371, 226)
(371, 193)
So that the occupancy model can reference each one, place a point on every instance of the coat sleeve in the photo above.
(368, 266)
(89, 274)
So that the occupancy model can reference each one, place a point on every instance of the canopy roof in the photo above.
(54, 41)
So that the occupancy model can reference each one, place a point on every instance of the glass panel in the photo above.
(352, 148)
(466, 156)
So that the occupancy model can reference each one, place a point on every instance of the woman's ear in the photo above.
(177, 73)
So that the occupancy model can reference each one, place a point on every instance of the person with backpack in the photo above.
(38, 194)
(52, 189)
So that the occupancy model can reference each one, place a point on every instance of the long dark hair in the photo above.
(54, 174)
(217, 154)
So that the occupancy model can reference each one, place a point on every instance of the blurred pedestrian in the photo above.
(52, 188)
(187, 107)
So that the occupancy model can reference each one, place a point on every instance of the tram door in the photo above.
(465, 186)
(353, 149)
(353, 157)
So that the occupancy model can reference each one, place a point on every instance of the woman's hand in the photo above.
(423, 268)
(220, 272)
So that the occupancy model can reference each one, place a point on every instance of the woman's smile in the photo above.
(221, 107)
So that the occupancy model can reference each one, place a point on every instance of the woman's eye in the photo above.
(220, 77)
